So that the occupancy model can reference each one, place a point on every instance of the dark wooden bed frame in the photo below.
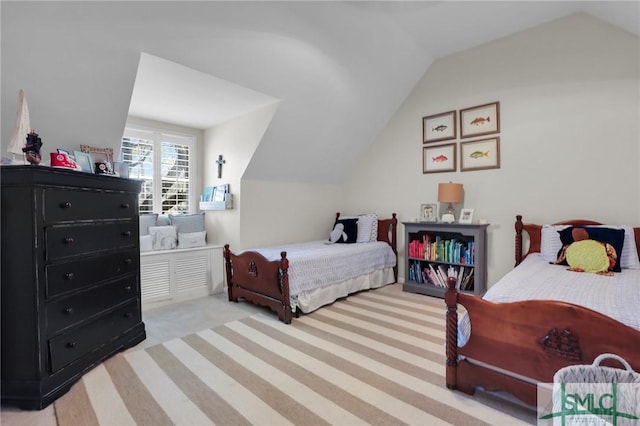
(266, 283)
(513, 346)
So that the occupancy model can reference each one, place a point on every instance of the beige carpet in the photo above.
(374, 358)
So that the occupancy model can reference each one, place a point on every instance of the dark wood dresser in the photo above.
(70, 278)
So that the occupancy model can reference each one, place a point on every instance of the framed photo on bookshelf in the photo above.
(429, 212)
(466, 216)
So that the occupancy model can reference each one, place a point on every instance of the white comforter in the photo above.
(616, 296)
(316, 264)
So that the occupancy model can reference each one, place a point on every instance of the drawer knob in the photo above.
(69, 276)
(124, 205)
(127, 288)
(66, 205)
(129, 315)
(71, 345)
(126, 233)
(68, 311)
(128, 261)
(68, 240)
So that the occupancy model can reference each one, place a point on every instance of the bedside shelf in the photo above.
(459, 247)
(227, 204)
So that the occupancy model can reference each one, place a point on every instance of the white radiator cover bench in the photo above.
(170, 276)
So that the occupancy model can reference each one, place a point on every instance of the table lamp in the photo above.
(449, 193)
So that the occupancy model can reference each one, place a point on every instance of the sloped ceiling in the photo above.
(339, 70)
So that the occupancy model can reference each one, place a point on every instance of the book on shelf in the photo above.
(467, 283)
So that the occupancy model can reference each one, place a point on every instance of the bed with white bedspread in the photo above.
(337, 270)
(302, 277)
(620, 300)
(543, 316)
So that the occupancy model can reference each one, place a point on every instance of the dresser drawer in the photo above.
(70, 240)
(86, 304)
(71, 276)
(62, 205)
(70, 346)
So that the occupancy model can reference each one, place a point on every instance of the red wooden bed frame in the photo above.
(513, 346)
(266, 283)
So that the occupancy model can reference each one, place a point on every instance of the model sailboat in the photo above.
(21, 130)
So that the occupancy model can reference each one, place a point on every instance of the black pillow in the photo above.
(349, 232)
(615, 237)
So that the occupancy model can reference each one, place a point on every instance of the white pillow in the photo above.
(367, 227)
(147, 220)
(550, 244)
(146, 243)
(192, 239)
(164, 237)
(629, 257)
(374, 227)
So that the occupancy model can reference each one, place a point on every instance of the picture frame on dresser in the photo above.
(83, 160)
(121, 169)
(98, 154)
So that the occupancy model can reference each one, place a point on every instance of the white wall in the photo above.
(287, 212)
(236, 141)
(569, 140)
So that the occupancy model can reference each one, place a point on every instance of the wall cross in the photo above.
(220, 162)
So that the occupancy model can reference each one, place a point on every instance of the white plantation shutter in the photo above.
(175, 176)
(163, 161)
(138, 153)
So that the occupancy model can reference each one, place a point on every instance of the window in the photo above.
(163, 161)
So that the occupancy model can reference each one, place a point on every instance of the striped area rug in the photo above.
(375, 358)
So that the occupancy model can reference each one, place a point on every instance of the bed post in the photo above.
(451, 300)
(284, 280)
(227, 266)
(394, 243)
(519, 226)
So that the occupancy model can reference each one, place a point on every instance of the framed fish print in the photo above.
(441, 158)
(480, 120)
(480, 154)
(439, 127)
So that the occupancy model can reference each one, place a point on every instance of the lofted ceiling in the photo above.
(338, 70)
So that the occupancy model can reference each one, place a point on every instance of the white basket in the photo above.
(597, 380)
(595, 373)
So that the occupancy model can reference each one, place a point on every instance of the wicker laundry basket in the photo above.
(594, 394)
(595, 373)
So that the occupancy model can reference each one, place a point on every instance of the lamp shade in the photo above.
(450, 192)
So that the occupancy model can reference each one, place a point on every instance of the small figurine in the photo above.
(32, 148)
